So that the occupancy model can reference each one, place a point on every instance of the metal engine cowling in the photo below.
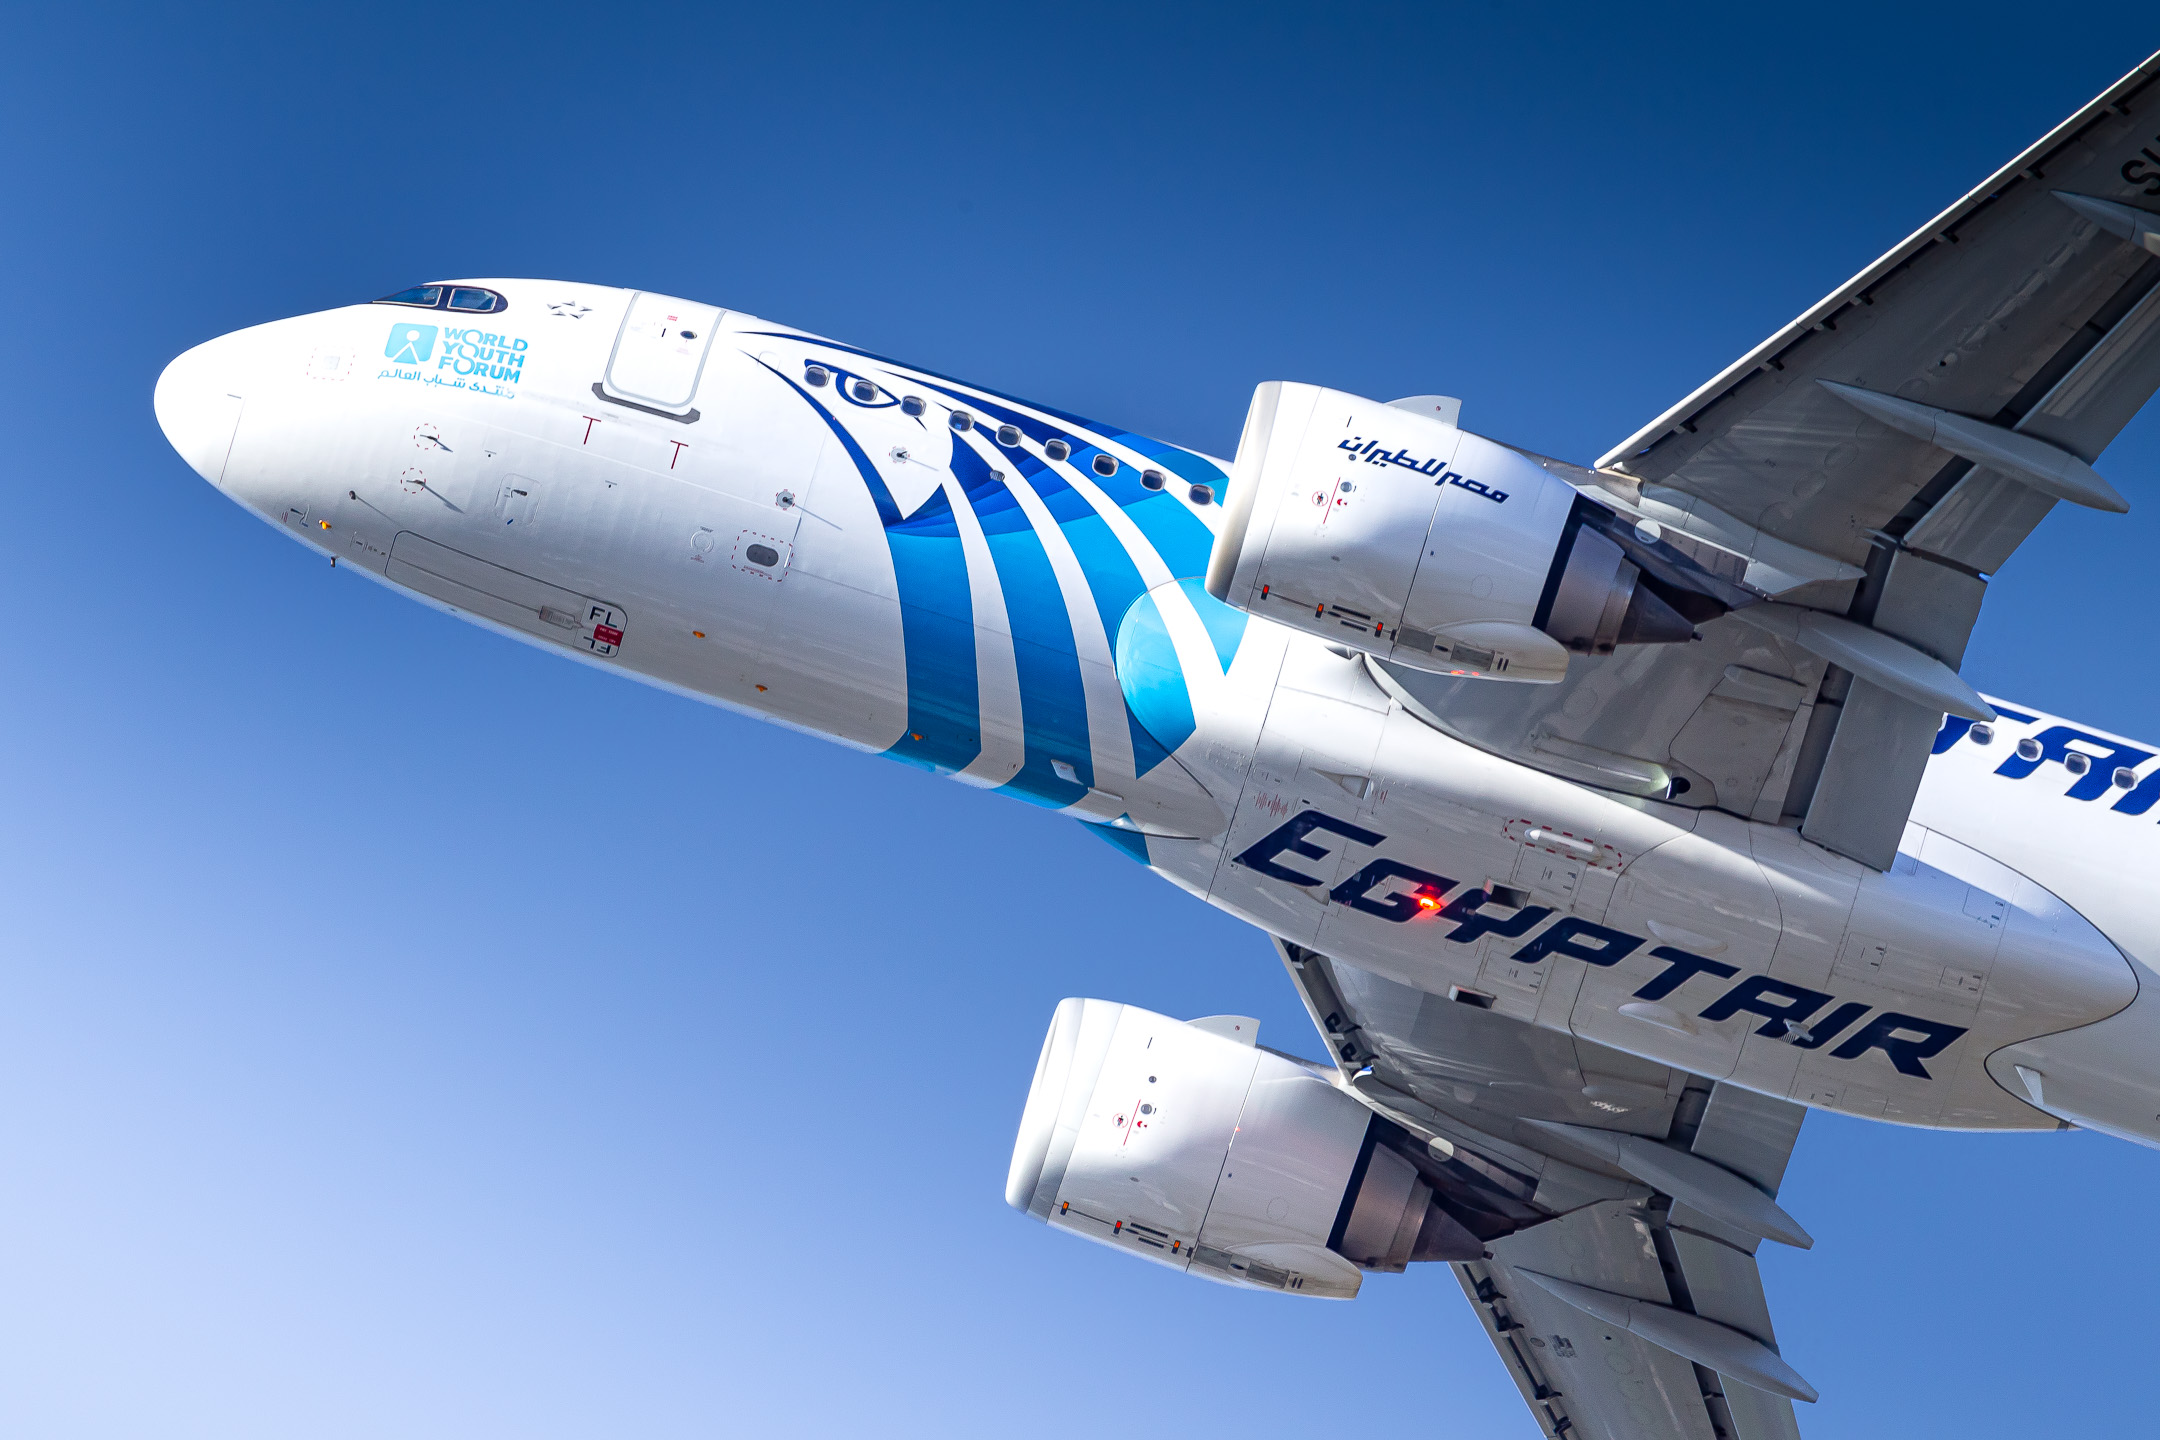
(1187, 1145)
(1398, 534)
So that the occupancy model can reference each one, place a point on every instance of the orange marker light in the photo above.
(761, 689)
(1427, 902)
(699, 633)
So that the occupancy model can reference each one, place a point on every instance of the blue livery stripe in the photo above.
(1149, 675)
(897, 365)
(1132, 842)
(1053, 700)
(944, 720)
(937, 621)
(1225, 623)
(1178, 536)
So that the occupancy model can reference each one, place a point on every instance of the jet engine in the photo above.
(1400, 535)
(1185, 1144)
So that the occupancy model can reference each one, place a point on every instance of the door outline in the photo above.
(682, 411)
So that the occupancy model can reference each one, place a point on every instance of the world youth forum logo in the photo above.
(410, 344)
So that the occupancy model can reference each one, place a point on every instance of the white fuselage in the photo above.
(1008, 594)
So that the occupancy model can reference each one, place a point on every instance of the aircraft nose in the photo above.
(198, 403)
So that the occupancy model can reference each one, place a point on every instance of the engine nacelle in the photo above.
(1403, 536)
(1183, 1143)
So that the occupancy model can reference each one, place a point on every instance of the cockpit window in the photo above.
(470, 298)
(427, 295)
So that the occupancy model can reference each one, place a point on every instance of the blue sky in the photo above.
(403, 1032)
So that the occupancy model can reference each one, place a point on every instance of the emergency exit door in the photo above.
(659, 355)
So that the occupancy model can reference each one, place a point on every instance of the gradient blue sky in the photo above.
(405, 1033)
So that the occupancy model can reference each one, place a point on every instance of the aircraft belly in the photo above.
(1728, 948)
(1702, 893)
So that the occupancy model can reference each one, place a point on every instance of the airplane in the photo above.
(1606, 818)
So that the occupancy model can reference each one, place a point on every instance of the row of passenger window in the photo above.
(867, 392)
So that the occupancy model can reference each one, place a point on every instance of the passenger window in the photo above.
(865, 391)
(1008, 435)
(1105, 465)
(1202, 494)
(962, 421)
(1057, 449)
(1153, 479)
(817, 376)
(912, 405)
(484, 302)
(428, 296)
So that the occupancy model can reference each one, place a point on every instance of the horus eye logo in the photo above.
(862, 393)
(410, 344)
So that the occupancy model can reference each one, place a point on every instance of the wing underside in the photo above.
(1878, 459)
(1623, 1311)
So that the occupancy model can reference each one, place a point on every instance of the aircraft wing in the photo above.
(1623, 1296)
(1878, 458)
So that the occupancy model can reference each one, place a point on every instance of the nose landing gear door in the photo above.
(659, 356)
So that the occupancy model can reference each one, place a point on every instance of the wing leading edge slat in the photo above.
(1770, 357)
